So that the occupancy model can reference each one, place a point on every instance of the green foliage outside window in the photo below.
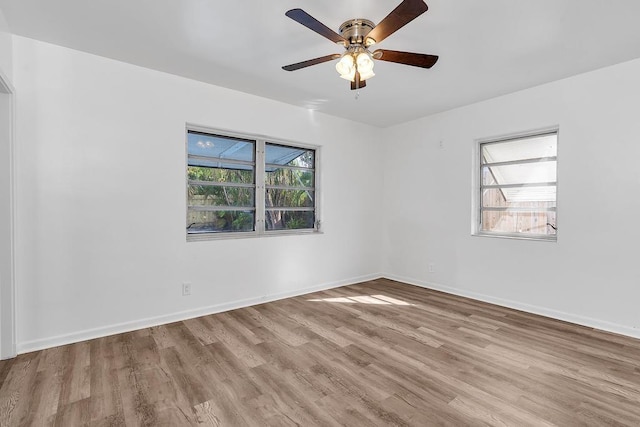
(221, 195)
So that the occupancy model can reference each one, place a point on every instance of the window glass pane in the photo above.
(221, 147)
(196, 173)
(208, 195)
(289, 156)
(289, 198)
(219, 221)
(527, 223)
(525, 197)
(530, 194)
(289, 220)
(290, 178)
(526, 173)
(527, 148)
(218, 164)
(487, 177)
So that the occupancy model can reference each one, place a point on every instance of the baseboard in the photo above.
(542, 311)
(88, 334)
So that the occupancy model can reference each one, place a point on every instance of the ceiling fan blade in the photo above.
(357, 83)
(407, 58)
(310, 62)
(406, 12)
(313, 24)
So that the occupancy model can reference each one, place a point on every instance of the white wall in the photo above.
(6, 49)
(101, 211)
(590, 274)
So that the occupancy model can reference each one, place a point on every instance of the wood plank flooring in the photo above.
(378, 353)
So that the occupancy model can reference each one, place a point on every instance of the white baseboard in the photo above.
(542, 311)
(88, 334)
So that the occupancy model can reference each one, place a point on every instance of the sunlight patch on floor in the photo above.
(363, 299)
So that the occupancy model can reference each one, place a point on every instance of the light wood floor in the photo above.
(377, 353)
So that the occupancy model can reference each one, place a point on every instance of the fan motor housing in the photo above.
(355, 30)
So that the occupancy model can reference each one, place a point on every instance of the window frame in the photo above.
(289, 188)
(260, 186)
(478, 187)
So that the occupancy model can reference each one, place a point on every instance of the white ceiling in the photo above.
(487, 48)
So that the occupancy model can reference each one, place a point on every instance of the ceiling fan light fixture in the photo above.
(346, 67)
(364, 62)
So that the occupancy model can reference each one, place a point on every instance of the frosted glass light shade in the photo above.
(346, 67)
(365, 65)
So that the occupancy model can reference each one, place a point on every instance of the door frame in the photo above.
(8, 305)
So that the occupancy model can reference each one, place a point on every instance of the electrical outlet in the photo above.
(186, 289)
(432, 267)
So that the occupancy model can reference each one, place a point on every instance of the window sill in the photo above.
(203, 237)
(552, 239)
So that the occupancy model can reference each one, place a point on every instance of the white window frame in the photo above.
(259, 199)
(476, 205)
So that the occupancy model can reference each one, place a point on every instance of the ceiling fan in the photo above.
(357, 36)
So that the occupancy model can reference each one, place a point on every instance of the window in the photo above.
(243, 186)
(290, 187)
(221, 184)
(518, 183)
